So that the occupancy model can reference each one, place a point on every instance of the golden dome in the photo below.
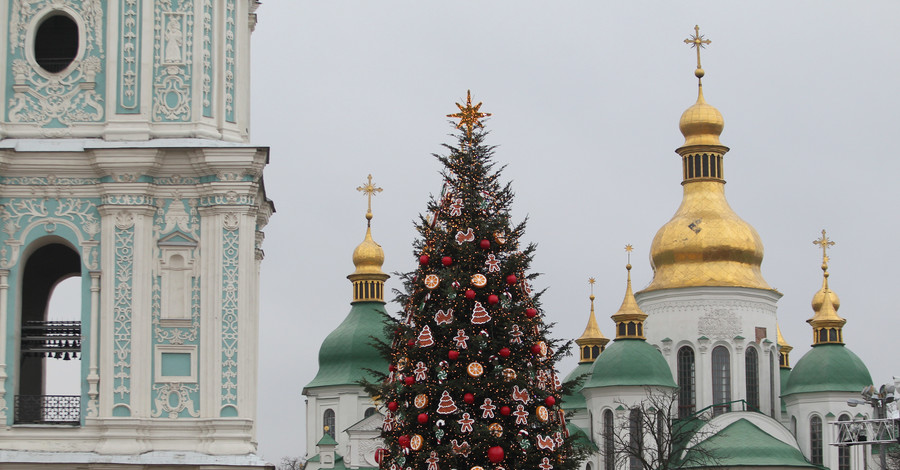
(629, 318)
(591, 336)
(827, 324)
(368, 257)
(701, 124)
(706, 244)
(784, 350)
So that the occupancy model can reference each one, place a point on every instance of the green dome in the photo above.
(827, 368)
(347, 351)
(575, 401)
(630, 362)
(743, 444)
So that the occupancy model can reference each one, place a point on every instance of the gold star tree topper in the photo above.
(469, 115)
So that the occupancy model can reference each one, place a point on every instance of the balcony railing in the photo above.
(48, 409)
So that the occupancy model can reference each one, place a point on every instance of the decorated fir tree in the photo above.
(472, 382)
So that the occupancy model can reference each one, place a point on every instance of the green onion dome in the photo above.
(827, 368)
(630, 362)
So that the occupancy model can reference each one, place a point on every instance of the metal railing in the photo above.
(867, 431)
(48, 409)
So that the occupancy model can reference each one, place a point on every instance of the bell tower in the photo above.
(125, 163)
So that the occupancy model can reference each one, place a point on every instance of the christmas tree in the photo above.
(472, 382)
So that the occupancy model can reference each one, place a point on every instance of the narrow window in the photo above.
(56, 43)
(794, 426)
(844, 451)
(609, 452)
(632, 329)
(328, 422)
(697, 171)
(772, 398)
(686, 382)
(751, 362)
(815, 440)
(714, 167)
(622, 329)
(721, 379)
(705, 164)
(635, 440)
(719, 165)
(595, 351)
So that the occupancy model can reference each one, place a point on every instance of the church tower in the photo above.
(709, 309)
(125, 163)
(343, 425)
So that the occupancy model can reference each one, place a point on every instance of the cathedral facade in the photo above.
(125, 163)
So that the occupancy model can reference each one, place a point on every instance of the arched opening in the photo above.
(815, 440)
(609, 450)
(721, 380)
(635, 439)
(328, 422)
(751, 364)
(369, 412)
(56, 43)
(49, 390)
(686, 382)
(844, 451)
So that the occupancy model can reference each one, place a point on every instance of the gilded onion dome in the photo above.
(368, 257)
(827, 325)
(592, 342)
(705, 243)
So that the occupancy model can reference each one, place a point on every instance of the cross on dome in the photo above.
(698, 41)
(825, 243)
(369, 190)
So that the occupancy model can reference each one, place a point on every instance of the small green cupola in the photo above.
(630, 361)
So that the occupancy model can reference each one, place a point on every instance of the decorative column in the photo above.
(4, 316)
(93, 378)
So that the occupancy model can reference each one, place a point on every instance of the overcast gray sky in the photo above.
(586, 98)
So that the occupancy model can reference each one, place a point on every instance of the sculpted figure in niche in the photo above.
(174, 40)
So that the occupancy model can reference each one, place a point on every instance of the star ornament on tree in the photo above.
(469, 115)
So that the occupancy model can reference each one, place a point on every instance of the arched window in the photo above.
(328, 422)
(635, 440)
(369, 412)
(844, 451)
(609, 451)
(49, 389)
(794, 426)
(595, 351)
(588, 466)
(687, 394)
(772, 398)
(751, 363)
(815, 440)
(721, 379)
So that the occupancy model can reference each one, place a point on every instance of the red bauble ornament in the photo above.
(453, 355)
(411, 343)
(403, 441)
(446, 261)
(505, 410)
(378, 454)
(495, 454)
(536, 349)
(531, 312)
(423, 418)
(470, 294)
(409, 380)
(423, 260)
(392, 406)
(469, 398)
(550, 401)
(392, 368)
(511, 279)
(485, 244)
(504, 352)
(493, 299)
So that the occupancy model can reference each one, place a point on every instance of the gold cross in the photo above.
(591, 281)
(469, 115)
(369, 190)
(825, 243)
(697, 41)
(628, 250)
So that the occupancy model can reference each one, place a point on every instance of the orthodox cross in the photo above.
(469, 115)
(369, 190)
(697, 41)
(825, 243)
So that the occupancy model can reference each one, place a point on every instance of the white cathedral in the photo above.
(704, 332)
(125, 163)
